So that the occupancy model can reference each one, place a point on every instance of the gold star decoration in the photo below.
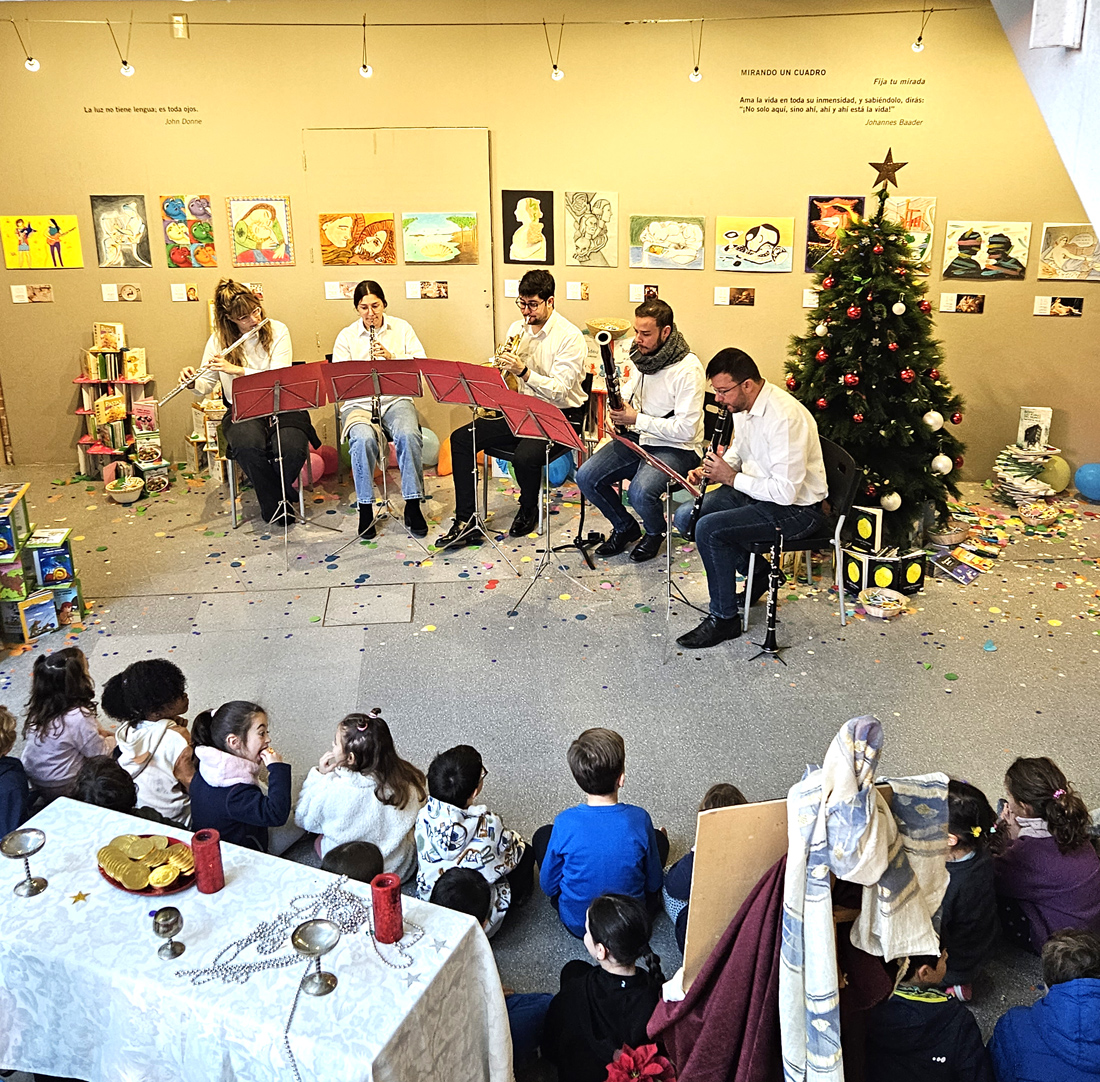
(79, 896)
(887, 170)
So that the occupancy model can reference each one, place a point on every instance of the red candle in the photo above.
(386, 894)
(207, 848)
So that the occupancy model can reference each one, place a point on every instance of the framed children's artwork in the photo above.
(358, 239)
(916, 214)
(121, 231)
(432, 236)
(39, 241)
(1069, 253)
(667, 242)
(827, 218)
(754, 243)
(592, 229)
(528, 218)
(987, 251)
(260, 230)
(188, 231)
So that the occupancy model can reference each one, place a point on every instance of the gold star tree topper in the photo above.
(887, 170)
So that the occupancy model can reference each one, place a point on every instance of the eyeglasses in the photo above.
(529, 306)
(484, 773)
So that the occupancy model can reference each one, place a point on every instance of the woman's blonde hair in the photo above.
(234, 300)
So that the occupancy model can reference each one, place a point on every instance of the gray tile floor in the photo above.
(313, 637)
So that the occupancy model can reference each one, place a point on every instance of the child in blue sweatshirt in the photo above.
(15, 794)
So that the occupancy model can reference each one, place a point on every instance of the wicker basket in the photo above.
(882, 603)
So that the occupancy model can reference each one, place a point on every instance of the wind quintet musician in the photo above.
(549, 363)
(254, 443)
(376, 334)
(663, 403)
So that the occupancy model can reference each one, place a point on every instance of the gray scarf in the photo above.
(673, 349)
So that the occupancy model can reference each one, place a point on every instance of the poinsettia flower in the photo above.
(641, 1062)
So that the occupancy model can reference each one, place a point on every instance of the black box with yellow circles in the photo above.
(863, 528)
(863, 570)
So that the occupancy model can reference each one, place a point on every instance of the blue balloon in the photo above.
(560, 468)
(1087, 480)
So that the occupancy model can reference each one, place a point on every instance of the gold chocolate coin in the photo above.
(135, 877)
(122, 843)
(163, 876)
(140, 847)
(159, 841)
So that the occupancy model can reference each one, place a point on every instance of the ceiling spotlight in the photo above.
(31, 64)
(696, 75)
(366, 71)
(918, 46)
(557, 74)
(127, 69)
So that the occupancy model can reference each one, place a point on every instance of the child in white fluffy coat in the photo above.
(362, 791)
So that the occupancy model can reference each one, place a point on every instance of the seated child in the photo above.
(15, 794)
(1046, 871)
(968, 913)
(361, 790)
(1056, 1039)
(104, 783)
(148, 699)
(677, 889)
(453, 832)
(61, 729)
(464, 891)
(601, 846)
(602, 1007)
(230, 745)
(361, 861)
(920, 1034)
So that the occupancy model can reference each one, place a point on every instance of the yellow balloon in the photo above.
(1056, 473)
(443, 467)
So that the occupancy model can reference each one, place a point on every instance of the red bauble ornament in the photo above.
(792, 383)
(933, 373)
(959, 460)
(907, 375)
(822, 355)
(893, 347)
(925, 306)
(956, 418)
(828, 283)
(903, 271)
(822, 403)
(855, 312)
(871, 490)
(858, 418)
(851, 379)
(878, 249)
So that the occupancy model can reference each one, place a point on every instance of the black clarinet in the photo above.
(719, 441)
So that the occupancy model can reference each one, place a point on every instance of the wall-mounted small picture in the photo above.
(592, 229)
(650, 293)
(356, 239)
(192, 291)
(34, 243)
(667, 242)
(188, 231)
(1070, 252)
(748, 243)
(916, 214)
(261, 231)
(972, 304)
(41, 294)
(439, 237)
(1059, 306)
(986, 250)
(433, 291)
(528, 218)
(732, 295)
(121, 230)
(256, 289)
(827, 218)
(129, 292)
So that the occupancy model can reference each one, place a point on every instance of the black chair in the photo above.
(842, 476)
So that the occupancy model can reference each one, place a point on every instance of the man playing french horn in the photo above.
(549, 363)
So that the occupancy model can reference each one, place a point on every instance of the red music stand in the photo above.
(275, 391)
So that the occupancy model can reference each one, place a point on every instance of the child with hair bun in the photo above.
(230, 745)
(968, 914)
(148, 699)
(362, 790)
(1047, 873)
(602, 1007)
(61, 729)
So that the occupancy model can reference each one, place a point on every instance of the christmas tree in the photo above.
(872, 375)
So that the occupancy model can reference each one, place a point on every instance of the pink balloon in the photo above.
(331, 457)
(317, 464)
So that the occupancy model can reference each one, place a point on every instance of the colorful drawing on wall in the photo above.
(754, 243)
(662, 241)
(188, 231)
(121, 230)
(260, 228)
(356, 240)
(439, 237)
(916, 214)
(37, 242)
(531, 238)
(986, 250)
(1069, 253)
(826, 219)
(592, 229)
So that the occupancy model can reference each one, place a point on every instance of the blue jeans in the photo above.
(526, 1015)
(402, 425)
(731, 521)
(614, 462)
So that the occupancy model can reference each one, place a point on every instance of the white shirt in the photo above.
(256, 359)
(677, 389)
(353, 344)
(778, 451)
(556, 354)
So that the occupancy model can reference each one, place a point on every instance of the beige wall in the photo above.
(625, 118)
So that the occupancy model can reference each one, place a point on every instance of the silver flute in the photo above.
(206, 368)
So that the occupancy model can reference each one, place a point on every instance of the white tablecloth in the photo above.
(83, 993)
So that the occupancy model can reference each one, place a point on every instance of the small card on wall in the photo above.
(809, 298)
(339, 291)
(179, 291)
(576, 291)
(19, 295)
(511, 287)
(637, 293)
(965, 303)
(412, 291)
(109, 290)
(1058, 306)
(257, 289)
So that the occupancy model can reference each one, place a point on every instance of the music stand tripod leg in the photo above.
(479, 521)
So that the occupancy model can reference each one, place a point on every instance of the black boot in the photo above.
(366, 521)
(414, 519)
(712, 631)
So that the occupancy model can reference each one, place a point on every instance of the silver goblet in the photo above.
(24, 843)
(168, 922)
(313, 939)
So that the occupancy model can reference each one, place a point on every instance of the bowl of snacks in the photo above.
(881, 603)
(949, 535)
(614, 327)
(151, 864)
(125, 489)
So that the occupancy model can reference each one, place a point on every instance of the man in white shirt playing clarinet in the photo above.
(771, 477)
(663, 407)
